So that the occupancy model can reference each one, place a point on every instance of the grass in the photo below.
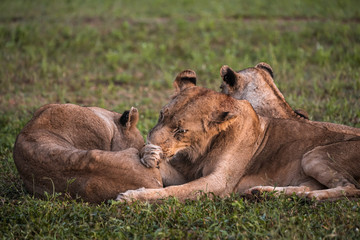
(118, 54)
(231, 217)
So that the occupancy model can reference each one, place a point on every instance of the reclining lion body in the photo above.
(221, 145)
(84, 151)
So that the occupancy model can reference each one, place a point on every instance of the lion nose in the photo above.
(156, 137)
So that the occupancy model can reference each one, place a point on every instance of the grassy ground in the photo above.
(118, 54)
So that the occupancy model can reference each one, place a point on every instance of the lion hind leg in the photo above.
(335, 166)
(289, 190)
(347, 191)
(304, 191)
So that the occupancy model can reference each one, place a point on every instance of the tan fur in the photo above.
(221, 145)
(257, 86)
(83, 151)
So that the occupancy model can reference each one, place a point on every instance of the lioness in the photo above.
(221, 145)
(256, 85)
(84, 151)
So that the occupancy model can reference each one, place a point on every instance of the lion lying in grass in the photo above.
(221, 145)
(83, 151)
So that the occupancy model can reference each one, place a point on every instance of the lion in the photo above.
(88, 152)
(221, 145)
(256, 85)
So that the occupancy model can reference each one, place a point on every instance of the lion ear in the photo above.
(266, 67)
(185, 79)
(129, 119)
(229, 76)
(222, 120)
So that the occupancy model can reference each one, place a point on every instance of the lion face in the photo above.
(194, 116)
(177, 129)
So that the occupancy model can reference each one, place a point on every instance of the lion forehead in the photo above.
(193, 109)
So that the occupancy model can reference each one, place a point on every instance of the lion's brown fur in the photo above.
(83, 151)
(256, 85)
(221, 145)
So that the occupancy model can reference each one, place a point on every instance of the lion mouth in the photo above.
(179, 154)
(169, 156)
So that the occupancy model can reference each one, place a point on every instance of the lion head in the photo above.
(189, 123)
(244, 83)
(256, 85)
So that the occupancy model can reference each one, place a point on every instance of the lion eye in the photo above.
(180, 130)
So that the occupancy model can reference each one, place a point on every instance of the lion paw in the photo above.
(129, 195)
(151, 155)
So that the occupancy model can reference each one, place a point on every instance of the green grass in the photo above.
(118, 54)
(232, 217)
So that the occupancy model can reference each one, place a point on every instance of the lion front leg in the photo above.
(191, 190)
